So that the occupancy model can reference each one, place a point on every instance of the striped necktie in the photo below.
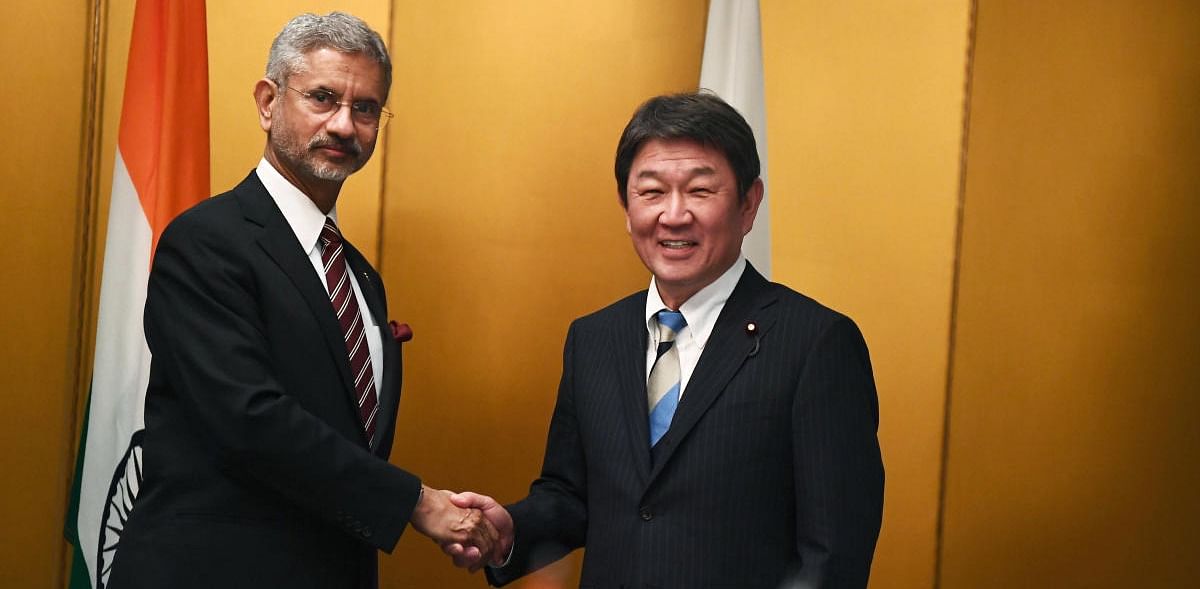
(662, 389)
(345, 304)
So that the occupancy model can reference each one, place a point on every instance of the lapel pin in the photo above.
(752, 331)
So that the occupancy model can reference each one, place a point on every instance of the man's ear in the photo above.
(266, 94)
(749, 205)
(624, 202)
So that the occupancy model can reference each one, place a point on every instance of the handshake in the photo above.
(472, 529)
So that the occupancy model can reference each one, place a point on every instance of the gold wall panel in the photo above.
(864, 124)
(501, 221)
(1073, 442)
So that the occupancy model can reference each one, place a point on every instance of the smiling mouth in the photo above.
(676, 243)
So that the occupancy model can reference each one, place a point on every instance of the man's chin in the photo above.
(334, 173)
(677, 278)
(675, 270)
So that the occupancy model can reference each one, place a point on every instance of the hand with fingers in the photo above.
(446, 523)
(474, 557)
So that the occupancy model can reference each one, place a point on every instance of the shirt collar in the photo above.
(701, 309)
(300, 212)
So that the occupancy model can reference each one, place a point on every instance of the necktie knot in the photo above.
(669, 324)
(330, 233)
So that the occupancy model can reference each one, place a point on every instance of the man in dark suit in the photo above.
(275, 379)
(717, 429)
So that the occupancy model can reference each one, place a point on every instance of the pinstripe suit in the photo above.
(769, 476)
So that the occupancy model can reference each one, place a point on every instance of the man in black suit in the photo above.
(717, 429)
(275, 380)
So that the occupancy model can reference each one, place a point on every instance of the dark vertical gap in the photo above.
(972, 20)
(92, 107)
(383, 173)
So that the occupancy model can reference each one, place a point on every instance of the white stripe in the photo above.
(336, 250)
(732, 68)
(122, 361)
(342, 309)
(371, 417)
(355, 322)
(362, 371)
(342, 282)
(363, 398)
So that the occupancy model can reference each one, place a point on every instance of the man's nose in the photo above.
(675, 211)
(341, 123)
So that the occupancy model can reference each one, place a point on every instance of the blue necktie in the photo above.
(662, 389)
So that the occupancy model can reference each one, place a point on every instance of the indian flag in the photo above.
(732, 67)
(160, 169)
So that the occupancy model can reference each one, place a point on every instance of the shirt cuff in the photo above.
(507, 559)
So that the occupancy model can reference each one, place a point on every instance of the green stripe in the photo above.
(79, 573)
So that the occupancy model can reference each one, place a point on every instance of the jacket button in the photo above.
(645, 514)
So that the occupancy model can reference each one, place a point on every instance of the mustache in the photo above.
(348, 144)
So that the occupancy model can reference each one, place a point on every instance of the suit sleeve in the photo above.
(838, 467)
(552, 520)
(202, 323)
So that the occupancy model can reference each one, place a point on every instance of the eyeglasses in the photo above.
(363, 112)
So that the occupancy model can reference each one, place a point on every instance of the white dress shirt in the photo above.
(306, 221)
(700, 311)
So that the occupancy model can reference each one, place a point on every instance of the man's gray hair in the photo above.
(337, 30)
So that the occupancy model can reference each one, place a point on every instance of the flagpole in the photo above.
(72, 563)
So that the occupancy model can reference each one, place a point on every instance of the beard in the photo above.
(302, 157)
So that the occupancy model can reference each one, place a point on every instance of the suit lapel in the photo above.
(728, 348)
(279, 242)
(370, 288)
(628, 348)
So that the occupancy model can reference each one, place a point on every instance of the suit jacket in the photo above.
(769, 476)
(256, 470)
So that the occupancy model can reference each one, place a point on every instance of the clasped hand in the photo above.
(472, 528)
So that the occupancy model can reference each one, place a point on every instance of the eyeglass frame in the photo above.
(384, 114)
